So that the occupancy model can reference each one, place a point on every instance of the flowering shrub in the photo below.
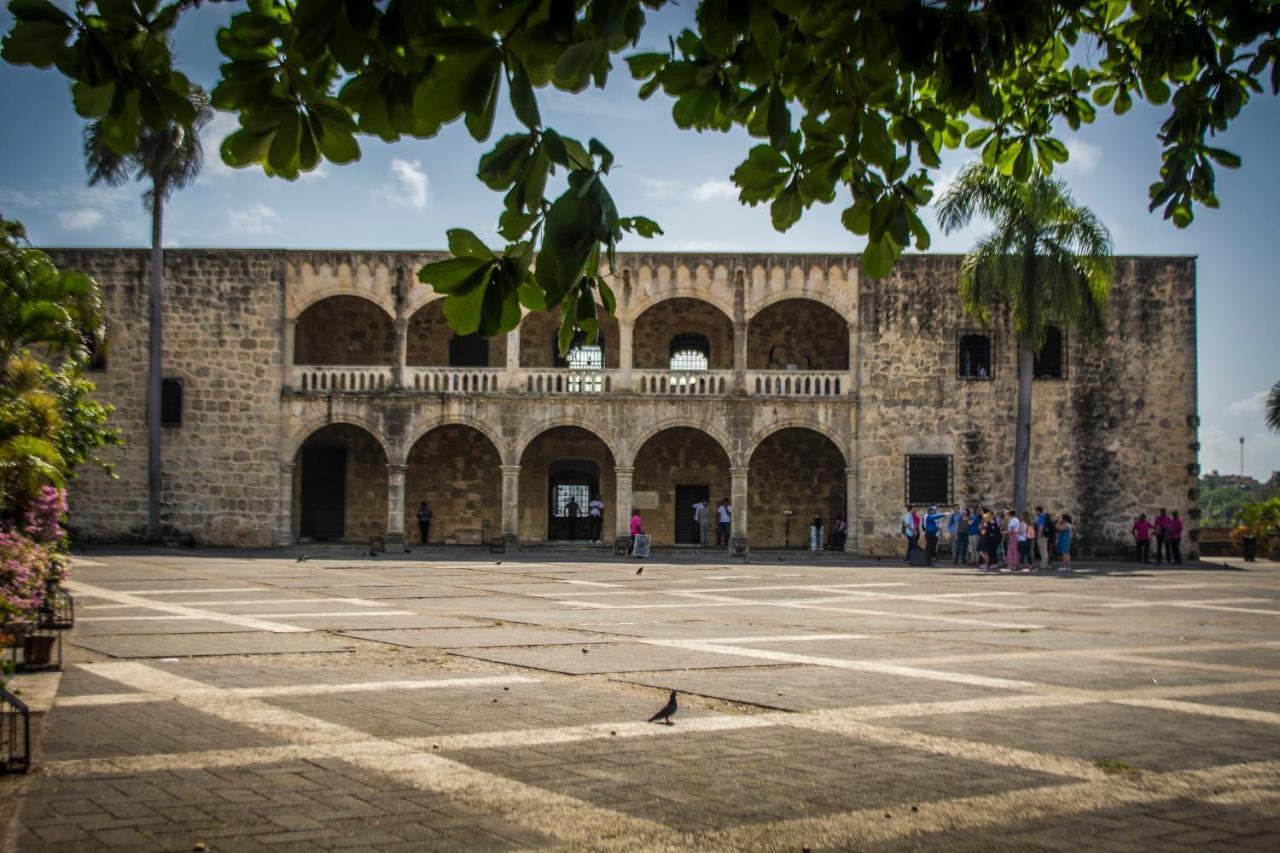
(32, 555)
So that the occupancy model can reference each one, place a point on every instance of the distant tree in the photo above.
(1273, 408)
(853, 99)
(169, 158)
(1048, 260)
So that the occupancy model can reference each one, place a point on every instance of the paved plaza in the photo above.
(224, 701)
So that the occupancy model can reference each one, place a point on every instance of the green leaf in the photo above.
(92, 101)
(243, 147)
(480, 124)
(879, 257)
(597, 149)
(120, 127)
(463, 308)
(449, 275)
(578, 62)
(37, 43)
(857, 219)
(764, 29)
(463, 243)
(644, 65)
(283, 154)
(1223, 157)
(779, 121)
(523, 101)
(531, 296)
(786, 208)
(1104, 94)
(1022, 162)
(640, 226)
(607, 299)
(762, 175)
(498, 168)
(570, 236)
(461, 82)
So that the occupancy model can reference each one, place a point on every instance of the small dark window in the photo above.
(469, 351)
(973, 356)
(690, 352)
(171, 402)
(928, 480)
(1051, 361)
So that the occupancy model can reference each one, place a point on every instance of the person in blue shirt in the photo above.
(1044, 532)
(960, 536)
(932, 524)
(953, 525)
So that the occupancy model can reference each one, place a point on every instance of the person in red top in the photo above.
(1162, 536)
(1142, 536)
(637, 527)
(1175, 539)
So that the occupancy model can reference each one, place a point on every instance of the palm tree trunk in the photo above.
(154, 368)
(1022, 439)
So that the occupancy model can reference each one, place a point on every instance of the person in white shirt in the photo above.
(702, 518)
(595, 517)
(1012, 531)
(724, 517)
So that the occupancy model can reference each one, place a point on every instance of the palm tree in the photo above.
(1273, 408)
(169, 158)
(1048, 259)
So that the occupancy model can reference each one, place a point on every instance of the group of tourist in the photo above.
(1166, 530)
(991, 539)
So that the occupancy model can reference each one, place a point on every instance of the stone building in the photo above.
(319, 395)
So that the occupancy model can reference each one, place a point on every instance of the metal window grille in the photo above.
(1051, 360)
(15, 734)
(973, 355)
(690, 352)
(928, 480)
(576, 491)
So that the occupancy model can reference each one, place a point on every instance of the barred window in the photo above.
(928, 479)
(690, 352)
(973, 355)
(577, 492)
(1051, 360)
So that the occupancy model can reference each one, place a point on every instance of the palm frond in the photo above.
(1273, 408)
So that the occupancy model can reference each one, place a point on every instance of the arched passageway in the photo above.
(456, 470)
(682, 325)
(431, 343)
(675, 469)
(344, 330)
(340, 486)
(560, 470)
(794, 475)
(798, 334)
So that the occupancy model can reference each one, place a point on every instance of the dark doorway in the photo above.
(686, 527)
(571, 481)
(469, 351)
(324, 492)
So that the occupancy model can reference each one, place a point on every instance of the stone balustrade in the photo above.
(454, 380)
(569, 381)
(796, 383)
(351, 378)
(698, 383)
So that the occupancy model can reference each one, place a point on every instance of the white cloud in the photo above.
(82, 219)
(253, 220)
(661, 187)
(701, 246)
(68, 197)
(715, 190)
(1254, 404)
(219, 128)
(1083, 158)
(412, 189)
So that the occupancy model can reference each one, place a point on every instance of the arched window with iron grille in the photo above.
(690, 351)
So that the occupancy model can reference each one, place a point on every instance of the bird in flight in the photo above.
(667, 711)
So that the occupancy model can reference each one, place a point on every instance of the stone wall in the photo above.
(678, 457)
(344, 330)
(794, 470)
(456, 470)
(222, 338)
(654, 329)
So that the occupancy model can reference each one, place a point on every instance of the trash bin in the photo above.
(1250, 544)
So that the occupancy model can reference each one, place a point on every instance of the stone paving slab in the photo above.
(359, 620)
(1086, 672)
(446, 638)
(608, 657)
(188, 645)
(90, 631)
(803, 688)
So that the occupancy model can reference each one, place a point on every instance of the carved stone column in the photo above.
(511, 503)
(284, 518)
(622, 506)
(738, 496)
(625, 328)
(395, 506)
(401, 351)
(511, 380)
(287, 349)
(740, 334)
(851, 505)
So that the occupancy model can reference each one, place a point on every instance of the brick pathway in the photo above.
(446, 703)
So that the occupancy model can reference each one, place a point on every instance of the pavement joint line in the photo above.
(189, 617)
(975, 657)
(773, 588)
(811, 604)
(257, 623)
(354, 602)
(98, 699)
(190, 591)
(1174, 663)
(1005, 809)
(1223, 711)
(557, 815)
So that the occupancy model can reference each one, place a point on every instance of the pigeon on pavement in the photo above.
(667, 711)
(302, 558)
(640, 570)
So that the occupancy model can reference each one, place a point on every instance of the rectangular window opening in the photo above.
(171, 402)
(973, 355)
(928, 479)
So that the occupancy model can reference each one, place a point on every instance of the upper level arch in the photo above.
(664, 321)
(798, 334)
(647, 280)
(344, 329)
(633, 446)
(429, 342)
(539, 334)
(832, 281)
(311, 282)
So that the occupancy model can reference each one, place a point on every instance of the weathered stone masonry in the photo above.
(274, 346)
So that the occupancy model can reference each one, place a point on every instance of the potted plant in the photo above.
(1257, 526)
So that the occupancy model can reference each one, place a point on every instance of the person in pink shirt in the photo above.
(1142, 536)
(1175, 539)
(637, 527)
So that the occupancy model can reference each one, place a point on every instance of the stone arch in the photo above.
(428, 339)
(664, 318)
(299, 435)
(677, 468)
(719, 436)
(500, 443)
(794, 474)
(340, 484)
(342, 329)
(688, 286)
(813, 336)
(820, 296)
(383, 301)
(763, 433)
(528, 436)
(563, 461)
(455, 468)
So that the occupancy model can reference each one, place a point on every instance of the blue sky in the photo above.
(405, 195)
